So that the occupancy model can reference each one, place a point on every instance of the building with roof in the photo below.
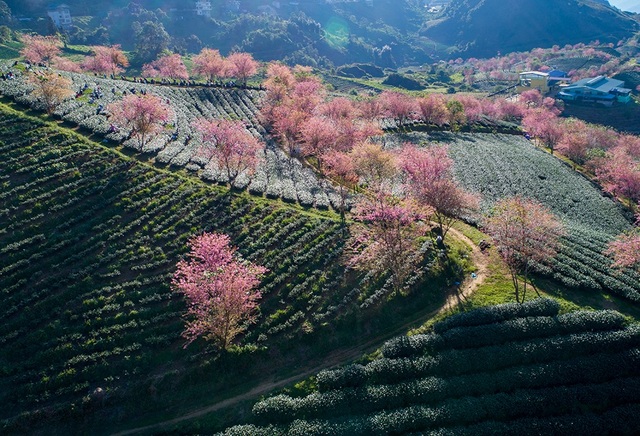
(601, 89)
(533, 80)
(60, 15)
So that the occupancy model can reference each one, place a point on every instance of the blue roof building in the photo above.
(599, 89)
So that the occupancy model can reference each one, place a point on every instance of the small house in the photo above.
(601, 89)
(61, 16)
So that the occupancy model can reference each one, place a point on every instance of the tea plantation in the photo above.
(89, 239)
(507, 369)
(497, 166)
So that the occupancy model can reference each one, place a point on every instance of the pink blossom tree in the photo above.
(543, 124)
(209, 63)
(318, 135)
(433, 109)
(106, 60)
(143, 114)
(231, 144)
(384, 237)
(625, 249)
(168, 67)
(242, 66)
(430, 181)
(40, 49)
(525, 233)
(619, 174)
(340, 169)
(398, 106)
(65, 64)
(220, 289)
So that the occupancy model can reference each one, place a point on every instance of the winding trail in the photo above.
(341, 356)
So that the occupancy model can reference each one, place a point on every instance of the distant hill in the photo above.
(482, 28)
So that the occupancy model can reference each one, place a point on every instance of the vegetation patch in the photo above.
(500, 369)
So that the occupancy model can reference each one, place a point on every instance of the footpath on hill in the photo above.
(345, 355)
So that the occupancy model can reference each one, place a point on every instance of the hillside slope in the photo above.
(509, 369)
(89, 239)
(482, 28)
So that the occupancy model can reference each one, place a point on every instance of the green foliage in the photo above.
(503, 312)
(499, 368)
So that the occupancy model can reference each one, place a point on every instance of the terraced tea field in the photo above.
(278, 176)
(89, 240)
(510, 369)
(497, 166)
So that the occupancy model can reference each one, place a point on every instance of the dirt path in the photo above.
(470, 284)
(341, 356)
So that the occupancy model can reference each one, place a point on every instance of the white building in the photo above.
(61, 16)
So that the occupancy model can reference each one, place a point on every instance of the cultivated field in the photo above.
(510, 369)
(497, 166)
(278, 176)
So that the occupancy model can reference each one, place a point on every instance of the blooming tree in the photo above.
(220, 290)
(106, 60)
(51, 88)
(384, 237)
(318, 135)
(398, 106)
(620, 174)
(40, 49)
(433, 109)
(340, 169)
(430, 182)
(543, 124)
(242, 66)
(375, 167)
(209, 63)
(168, 67)
(65, 64)
(525, 233)
(625, 249)
(233, 147)
(143, 114)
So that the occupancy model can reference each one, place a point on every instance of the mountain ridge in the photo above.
(483, 28)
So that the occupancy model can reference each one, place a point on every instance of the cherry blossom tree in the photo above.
(340, 169)
(143, 114)
(106, 60)
(619, 174)
(51, 88)
(168, 67)
(433, 109)
(287, 124)
(231, 144)
(339, 109)
(65, 64)
(625, 249)
(384, 237)
(430, 182)
(209, 63)
(40, 49)
(220, 289)
(370, 109)
(318, 135)
(543, 124)
(398, 106)
(525, 233)
(242, 66)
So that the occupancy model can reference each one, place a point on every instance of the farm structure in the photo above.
(599, 89)
(542, 81)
